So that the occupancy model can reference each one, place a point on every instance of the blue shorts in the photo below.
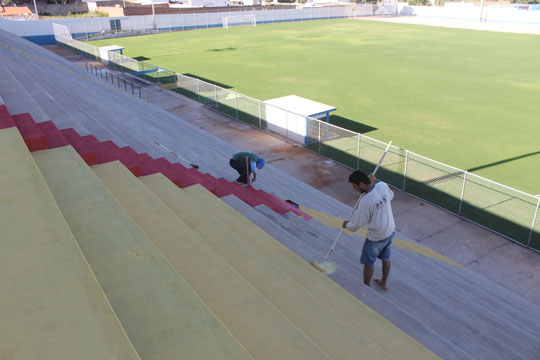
(376, 249)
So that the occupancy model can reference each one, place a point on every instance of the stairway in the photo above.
(171, 285)
(454, 312)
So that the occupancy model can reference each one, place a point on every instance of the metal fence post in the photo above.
(260, 118)
(405, 169)
(199, 89)
(215, 96)
(319, 136)
(287, 124)
(533, 223)
(462, 191)
(358, 153)
(236, 104)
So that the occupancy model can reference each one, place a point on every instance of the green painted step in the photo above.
(370, 324)
(325, 327)
(153, 303)
(253, 320)
(51, 305)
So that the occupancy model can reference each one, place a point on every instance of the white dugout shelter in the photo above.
(287, 116)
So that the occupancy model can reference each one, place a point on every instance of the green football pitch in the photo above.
(466, 98)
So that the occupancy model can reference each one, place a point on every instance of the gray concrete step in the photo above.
(369, 296)
(411, 278)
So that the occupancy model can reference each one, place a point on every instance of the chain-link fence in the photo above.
(506, 211)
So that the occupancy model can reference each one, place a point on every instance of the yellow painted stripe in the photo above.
(336, 222)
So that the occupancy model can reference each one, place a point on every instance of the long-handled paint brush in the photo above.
(325, 266)
(195, 166)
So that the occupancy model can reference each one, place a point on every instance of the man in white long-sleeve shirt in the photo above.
(375, 212)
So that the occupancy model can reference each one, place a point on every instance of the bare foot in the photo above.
(379, 282)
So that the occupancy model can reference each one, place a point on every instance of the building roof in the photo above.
(300, 105)
(15, 10)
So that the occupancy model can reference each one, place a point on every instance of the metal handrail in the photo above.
(135, 89)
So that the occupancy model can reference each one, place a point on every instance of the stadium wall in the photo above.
(41, 32)
(515, 13)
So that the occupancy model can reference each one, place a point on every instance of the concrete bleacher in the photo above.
(162, 315)
(231, 295)
(172, 293)
(38, 136)
(476, 328)
(52, 307)
(453, 312)
(135, 125)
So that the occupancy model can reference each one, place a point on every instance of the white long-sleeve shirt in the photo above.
(375, 212)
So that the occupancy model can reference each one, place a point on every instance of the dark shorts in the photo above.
(374, 250)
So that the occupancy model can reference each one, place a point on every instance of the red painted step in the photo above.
(76, 141)
(6, 121)
(30, 132)
(91, 142)
(144, 164)
(85, 151)
(186, 180)
(289, 207)
(126, 155)
(108, 145)
(53, 136)
(90, 158)
(258, 197)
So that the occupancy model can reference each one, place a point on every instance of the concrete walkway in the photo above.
(498, 259)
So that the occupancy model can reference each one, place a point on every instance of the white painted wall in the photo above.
(207, 3)
(468, 11)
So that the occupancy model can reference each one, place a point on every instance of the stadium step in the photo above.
(390, 311)
(87, 153)
(53, 136)
(460, 312)
(252, 319)
(157, 308)
(6, 121)
(367, 323)
(30, 131)
(349, 276)
(487, 293)
(52, 306)
(13, 92)
(337, 337)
